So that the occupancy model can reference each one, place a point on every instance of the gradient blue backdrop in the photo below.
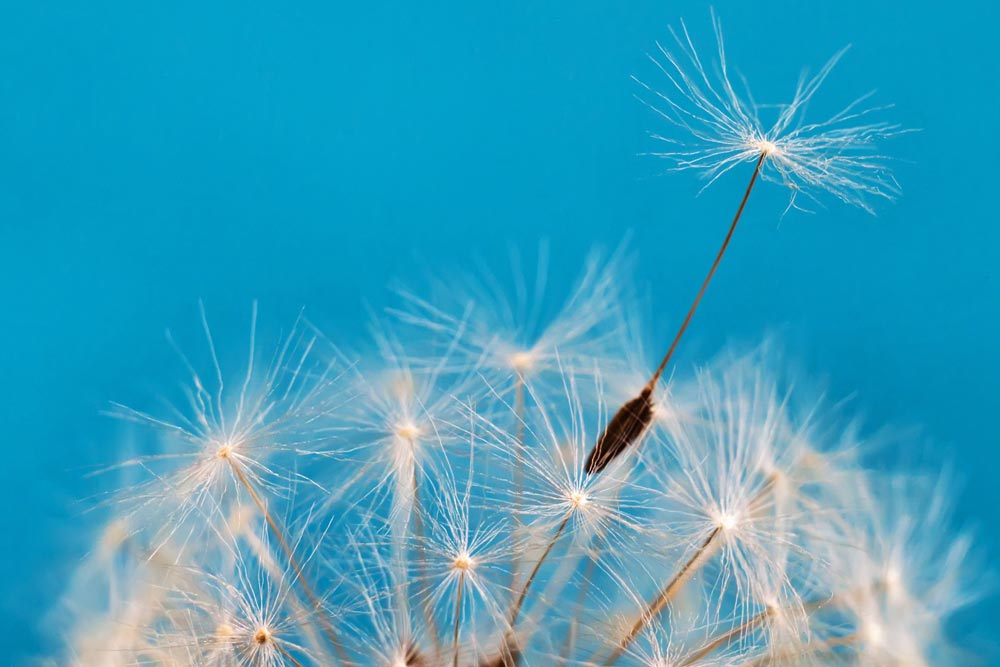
(155, 153)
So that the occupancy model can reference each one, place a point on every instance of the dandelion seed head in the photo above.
(766, 148)
(578, 499)
(225, 449)
(715, 128)
(729, 521)
(523, 332)
(522, 361)
(464, 562)
(786, 542)
(408, 431)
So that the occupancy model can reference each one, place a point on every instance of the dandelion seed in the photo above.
(225, 446)
(726, 132)
(718, 130)
(900, 585)
(625, 428)
(398, 421)
(523, 339)
(239, 620)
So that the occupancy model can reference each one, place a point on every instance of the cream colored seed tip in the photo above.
(225, 449)
(894, 582)
(463, 562)
(407, 430)
(522, 361)
(727, 521)
(578, 499)
(262, 636)
(767, 147)
(873, 632)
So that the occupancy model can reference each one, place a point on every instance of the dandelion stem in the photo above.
(458, 616)
(270, 565)
(745, 627)
(581, 596)
(631, 419)
(515, 612)
(292, 561)
(286, 654)
(807, 606)
(809, 648)
(668, 592)
(711, 272)
(674, 586)
(726, 637)
(518, 472)
(421, 560)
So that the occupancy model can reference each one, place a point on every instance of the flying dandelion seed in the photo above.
(720, 131)
(469, 490)
(717, 130)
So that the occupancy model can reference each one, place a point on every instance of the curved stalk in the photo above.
(810, 648)
(458, 617)
(285, 654)
(509, 653)
(668, 592)
(631, 420)
(292, 561)
(518, 472)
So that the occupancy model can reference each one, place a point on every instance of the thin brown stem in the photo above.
(292, 560)
(711, 272)
(458, 617)
(668, 592)
(726, 637)
(581, 596)
(810, 648)
(418, 531)
(288, 656)
(518, 471)
(516, 609)
(745, 627)
(808, 606)
(633, 418)
(509, 653)
(675, 585)
(270, 565)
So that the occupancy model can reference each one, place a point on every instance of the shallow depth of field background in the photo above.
(154, 154)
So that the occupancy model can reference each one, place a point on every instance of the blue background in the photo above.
(152, 154)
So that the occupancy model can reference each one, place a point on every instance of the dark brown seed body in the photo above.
(625, 428)
(632, 419)
(414, 658)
